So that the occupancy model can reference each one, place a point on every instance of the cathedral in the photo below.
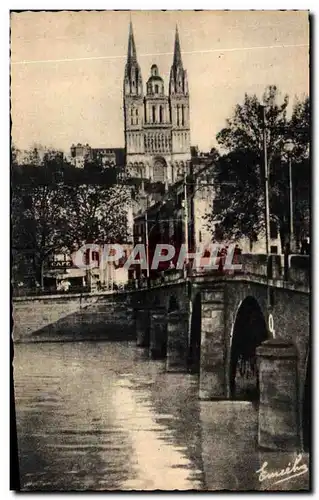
(156, 125)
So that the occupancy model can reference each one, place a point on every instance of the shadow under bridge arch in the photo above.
(249, 332)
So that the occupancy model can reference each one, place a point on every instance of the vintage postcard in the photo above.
(160, 250)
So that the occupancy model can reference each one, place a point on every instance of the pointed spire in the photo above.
(177, 51)
(131, 52)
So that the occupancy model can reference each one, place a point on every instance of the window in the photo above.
(153, 114)
(177, 112)
(156, 89)
(136, 114)
(183, 114)
(159, 172)
(161, 114)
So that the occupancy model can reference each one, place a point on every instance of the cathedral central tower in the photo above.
(157, 132)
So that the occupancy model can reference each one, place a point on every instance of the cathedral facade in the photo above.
(156, 124)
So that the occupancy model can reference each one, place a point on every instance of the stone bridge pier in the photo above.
(212, 384)
(247, 337)
(177, 341)
(142, 325)
(157, 332)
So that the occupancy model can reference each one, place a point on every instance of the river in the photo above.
(102, 416)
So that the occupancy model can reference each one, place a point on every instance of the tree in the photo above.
(99, 214)
(239, 172)
(51, 168)
(31, 157)
(54, 213)
(40, 224)
(299, 129)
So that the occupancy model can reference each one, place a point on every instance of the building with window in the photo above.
(80, 153)
(156, 124)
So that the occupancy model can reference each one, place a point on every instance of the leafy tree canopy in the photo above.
(239, 172)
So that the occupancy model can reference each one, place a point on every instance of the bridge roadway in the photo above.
(246, 333)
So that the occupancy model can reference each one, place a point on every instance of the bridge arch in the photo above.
(249, 331)
(195, 335)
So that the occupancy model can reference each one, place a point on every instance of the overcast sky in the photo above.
(67, 68)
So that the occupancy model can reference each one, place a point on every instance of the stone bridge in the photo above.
(246, 333)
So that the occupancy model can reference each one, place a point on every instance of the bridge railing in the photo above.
(38, 291)
(268, 266)
(299, 269)
(255, 264)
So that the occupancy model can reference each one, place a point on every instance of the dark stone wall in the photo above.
(74, 317)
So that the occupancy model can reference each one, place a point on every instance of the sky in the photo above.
(67, 68)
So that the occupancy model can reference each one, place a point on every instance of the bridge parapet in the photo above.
(255, 264)
(294, 269)
(279, 270)
(299, 269)
(172, 275)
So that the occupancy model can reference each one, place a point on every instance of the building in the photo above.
(108, 156)
(79, 154)
(60, 269)
(156, 124)
(165, 221)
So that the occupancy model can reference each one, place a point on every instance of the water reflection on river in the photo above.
(102, 416)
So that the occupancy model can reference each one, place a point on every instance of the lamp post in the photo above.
(267, 214)
(146, 244)
(288, 148)
(186, 220)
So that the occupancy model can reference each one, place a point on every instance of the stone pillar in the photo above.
(158, 333)
(278, 421)
(212, 384)
(142, 324)
(177, 341)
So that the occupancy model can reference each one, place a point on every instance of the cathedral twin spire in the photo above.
(133, 77)
(156, 125)
(177, 60)
(131, 52)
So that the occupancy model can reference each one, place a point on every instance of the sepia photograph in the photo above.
(160, 197)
